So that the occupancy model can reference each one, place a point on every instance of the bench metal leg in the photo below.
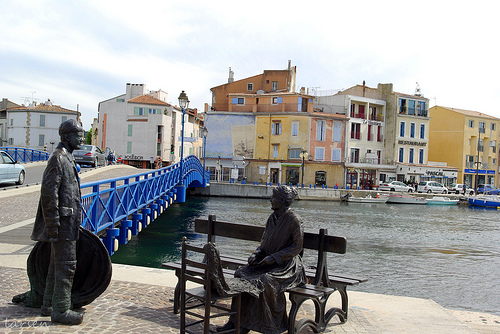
(297, 301)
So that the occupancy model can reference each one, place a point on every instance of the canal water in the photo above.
(450, 254)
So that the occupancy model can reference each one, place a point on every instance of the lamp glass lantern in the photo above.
(183, 100)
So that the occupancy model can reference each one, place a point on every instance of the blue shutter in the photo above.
(235, 100)
(280, 100)
(299, 103)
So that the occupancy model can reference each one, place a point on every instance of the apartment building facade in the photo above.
(140, 126)
(36, 126)
(468, 140)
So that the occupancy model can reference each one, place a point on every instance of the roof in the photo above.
(468, 112)
(270, 94)
(146, 99)
(42, 107)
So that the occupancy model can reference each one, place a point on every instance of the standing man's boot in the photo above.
(61, 302)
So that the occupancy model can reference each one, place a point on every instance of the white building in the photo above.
(140, 126)
(37, 125)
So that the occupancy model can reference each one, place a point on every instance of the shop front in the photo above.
(483, 176)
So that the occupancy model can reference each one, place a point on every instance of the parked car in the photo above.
(458, 188)
(10, 170)
(431, 187)
(487, 189)
(395, 186)
(90, 155)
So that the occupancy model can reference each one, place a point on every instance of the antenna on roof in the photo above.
(417, 90)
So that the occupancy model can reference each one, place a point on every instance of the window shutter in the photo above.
(235, 100)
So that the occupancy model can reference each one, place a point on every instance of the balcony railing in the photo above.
(404, 110)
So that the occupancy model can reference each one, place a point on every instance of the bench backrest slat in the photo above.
(331, 243)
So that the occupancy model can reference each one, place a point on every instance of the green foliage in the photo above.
(88, 137)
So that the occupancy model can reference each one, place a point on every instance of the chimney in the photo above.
(364, 88)
(231, 76)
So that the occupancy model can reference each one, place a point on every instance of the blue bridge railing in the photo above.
(24, 155)
(117, 208)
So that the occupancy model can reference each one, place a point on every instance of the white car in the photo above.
(395, 186)
(458, 188)
(10, 170)
(431, 187)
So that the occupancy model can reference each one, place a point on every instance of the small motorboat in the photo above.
(440, 200)
(487, 201)
(406, 199)
(368, 199)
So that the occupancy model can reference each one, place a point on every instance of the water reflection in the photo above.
(450, 254)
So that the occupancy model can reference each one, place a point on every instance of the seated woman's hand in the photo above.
(268, 260)
(252, 260)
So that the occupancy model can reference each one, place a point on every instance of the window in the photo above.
(411, 107)
(295, 129)
(120, 100)
(402, 129)
(294, 153)
(337, 126)
(410, 158)
(361, 111)
(238, 100)
(249, 86)
(402, 106)
(319, 154)
(130, 130)
(422, 131)
(355, 131)
(379, 134)
(11, 141)
(276, 100)
(471, 123)
(41, 140)
(412, 130)
(421, 156)
(373, 113)
(320, 130)
(370, 132)
(492, 126)
(276, 128)
(354, 155)
(320, 178)
(274, 86)
(336, 154)
(353, 107)
(138, 111)
(482, 127)
(64, 119)
(153, 111)
(421, 109)
(11, 122)
(42, 121)
(401, 154)
(129, 147)
(379, 156)
(275, 151)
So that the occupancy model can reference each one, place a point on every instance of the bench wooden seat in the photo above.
(321, 284)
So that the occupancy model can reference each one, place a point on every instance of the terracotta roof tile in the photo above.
(146, 99)
(42, 107)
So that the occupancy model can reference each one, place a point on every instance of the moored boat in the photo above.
(440, 200)
(487, 201)
(405, 199)
(368, 199)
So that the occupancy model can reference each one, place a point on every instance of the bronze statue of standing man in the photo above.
(57, 221)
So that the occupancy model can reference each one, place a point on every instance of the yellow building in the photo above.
(465, 139)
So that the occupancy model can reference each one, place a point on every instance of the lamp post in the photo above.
(183, 103)
(479, 147)
(303, 155)
(204, 133)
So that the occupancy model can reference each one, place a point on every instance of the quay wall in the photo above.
(263, 191)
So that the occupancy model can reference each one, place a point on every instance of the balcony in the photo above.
(404, 110)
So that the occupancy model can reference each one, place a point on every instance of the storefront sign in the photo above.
(481, 171)
(133, 157)
(434, 173)
(412, 143)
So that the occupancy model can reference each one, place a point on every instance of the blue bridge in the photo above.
(116, 209)
(24, 155)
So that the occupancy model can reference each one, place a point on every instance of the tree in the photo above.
(88, 137)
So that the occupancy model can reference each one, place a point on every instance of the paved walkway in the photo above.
(139, 299)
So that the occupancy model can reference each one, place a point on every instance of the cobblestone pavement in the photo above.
(125, 307)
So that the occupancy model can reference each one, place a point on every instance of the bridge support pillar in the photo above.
(110, 240)
(181, 193)
(125, 233)
(146, 219)
(154, 211)
(136, 223)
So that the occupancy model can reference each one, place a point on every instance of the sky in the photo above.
(79, 53)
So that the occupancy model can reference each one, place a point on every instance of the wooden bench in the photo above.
(321, 283)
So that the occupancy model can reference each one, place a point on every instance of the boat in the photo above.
(440, 200)
(405, 199)
(487, 201)
(368, 199)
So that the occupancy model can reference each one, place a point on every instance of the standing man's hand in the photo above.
(53, 233)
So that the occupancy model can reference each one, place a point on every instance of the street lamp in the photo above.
(204, 133)
(303, 155)
(183, 103)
